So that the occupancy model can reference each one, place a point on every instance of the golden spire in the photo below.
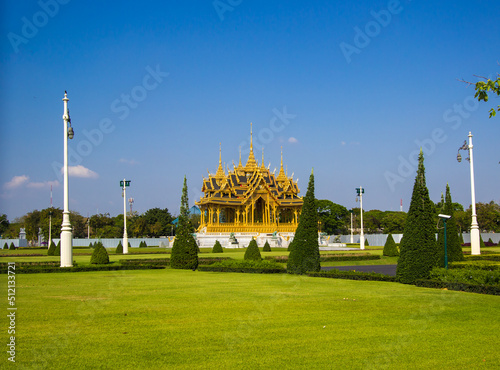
(262, 163)
(240, 167)
(251, 162)
(281, 174)
(220, 170)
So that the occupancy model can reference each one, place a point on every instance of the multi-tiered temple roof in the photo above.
(249, 198)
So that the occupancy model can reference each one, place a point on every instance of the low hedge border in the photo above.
(463, 287)
(41, 263)
(166, 261)
(352, 275)
(22, 255)
(331, 257)
(490, 257)
(51, 269)
(246, 266)
(475, 265)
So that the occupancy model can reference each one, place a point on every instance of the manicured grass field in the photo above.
(184, 319)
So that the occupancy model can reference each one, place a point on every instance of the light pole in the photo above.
(352, 236)
(360, 192)
(124, 185)
(474, 228)
(66, 229)
(445, 218)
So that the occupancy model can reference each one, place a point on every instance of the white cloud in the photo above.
(292, 140)
(80, 171)
(342, 143)
(127, 161)
(44, 184)
(16, 182)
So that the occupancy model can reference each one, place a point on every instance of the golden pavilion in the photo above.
(249, 199)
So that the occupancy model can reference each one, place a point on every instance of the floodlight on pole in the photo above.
(474, 228)
(360, 192)
(66, 229)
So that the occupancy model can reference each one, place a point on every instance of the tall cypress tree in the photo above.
(304, 249)
(418, 253)
(453, 245)
(185, 250)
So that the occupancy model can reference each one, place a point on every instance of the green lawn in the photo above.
(185, 319)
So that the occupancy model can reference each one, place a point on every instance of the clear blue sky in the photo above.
(352, 89)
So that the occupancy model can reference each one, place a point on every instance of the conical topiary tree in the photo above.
(418, 252)
(304, 249)
(144, 244)
(481, 242)
(490, 241)
(185, 250)
(13, 247)
(100, 255)
(91, 245)
(217, 247)
(461, 236)
(119, 248)
(366, 243)
(57, 251)
(390, 247)
(5, 246)
(453, 246)
(52, 249)
(267, 247)
(252, 252)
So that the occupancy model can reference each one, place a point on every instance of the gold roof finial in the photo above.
(262, 163)
(281, 174)
(220, 170)
(251, 162)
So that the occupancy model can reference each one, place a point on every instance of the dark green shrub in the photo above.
(217, 247)
(267, 247)
(185, 250)
(12, 247)
(52, 249)
(145, 245)
(57, 251)
(5, 246)
(100, 255)
(304, 249)
(490, 241)
(252, 252)
(461, 237)
(418, 251)
(463, 287)
(390, 247)
(248, 266)
(91, 245)
(352, 275)
(481, 242)
(119, 248)
(366, 243)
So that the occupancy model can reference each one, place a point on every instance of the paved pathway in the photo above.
(381, 269)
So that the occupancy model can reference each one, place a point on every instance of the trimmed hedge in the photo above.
(217, 247)
(5, 246)
(475, 265)
(248, 266)
(100, 255)
(109, 267)
(332, 257)
(119, 248)
(267, 247)
(352, 275)
(52, 249)
(463, 287)
(466, 276)
(57, 251)
(12, 247)
(489, 257)
(390, 247)
(252, 253)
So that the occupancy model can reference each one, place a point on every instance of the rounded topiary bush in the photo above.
(119, 248)
(217, 247)
(52, 249)
(267, 247)
(252, 252)
(57, 251)
(390, 247)
(100, 255)
(12, 247)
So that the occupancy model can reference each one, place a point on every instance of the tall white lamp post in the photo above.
(66, 230)
(124, 185)
(474, 227)
(360, 192)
